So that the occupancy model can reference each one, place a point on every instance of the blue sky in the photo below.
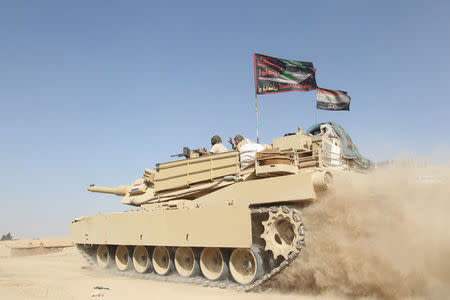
(97, 91)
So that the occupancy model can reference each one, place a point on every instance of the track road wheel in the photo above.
(186, 262)
(105, 256)
(123, 258)
(162, 261)
(212, 264)
(141, 259)
(246, 265)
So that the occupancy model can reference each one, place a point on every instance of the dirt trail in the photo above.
(60, 276)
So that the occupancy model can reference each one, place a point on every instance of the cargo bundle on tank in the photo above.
(215, 220)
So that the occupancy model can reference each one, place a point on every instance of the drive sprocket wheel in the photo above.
(283, 232)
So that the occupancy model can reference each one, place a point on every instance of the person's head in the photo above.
(216, 139)
(238, 138)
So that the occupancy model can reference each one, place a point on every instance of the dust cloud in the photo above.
(382, 235)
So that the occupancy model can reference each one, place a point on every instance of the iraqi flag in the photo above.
(332, 99)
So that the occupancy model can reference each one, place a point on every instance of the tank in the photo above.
(230, 220)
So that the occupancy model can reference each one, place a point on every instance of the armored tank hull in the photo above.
(206, 220)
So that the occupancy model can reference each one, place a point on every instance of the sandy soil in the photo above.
(383, 235)
(62, 276)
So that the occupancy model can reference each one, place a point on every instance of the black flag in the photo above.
(277, 75)
(332, 99)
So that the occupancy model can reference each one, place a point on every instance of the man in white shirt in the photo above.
(217, 146)
(239, 141)
(247, 150)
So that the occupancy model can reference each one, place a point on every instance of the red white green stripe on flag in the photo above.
(332, 99)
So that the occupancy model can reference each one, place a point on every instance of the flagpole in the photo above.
(256, 106)
(316, 115)
(315, 112)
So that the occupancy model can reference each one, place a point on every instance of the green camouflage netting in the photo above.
(349, 150)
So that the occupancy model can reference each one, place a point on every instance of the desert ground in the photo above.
(379, 236)
(66, 275)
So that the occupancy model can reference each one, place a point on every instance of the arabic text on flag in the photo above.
(277, 75)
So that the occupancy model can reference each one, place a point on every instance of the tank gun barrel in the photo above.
(121, 190)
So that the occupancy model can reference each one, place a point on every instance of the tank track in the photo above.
(201, 281)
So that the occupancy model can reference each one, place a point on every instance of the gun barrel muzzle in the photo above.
(121, 190)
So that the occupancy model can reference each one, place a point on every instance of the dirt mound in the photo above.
(27, 247)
